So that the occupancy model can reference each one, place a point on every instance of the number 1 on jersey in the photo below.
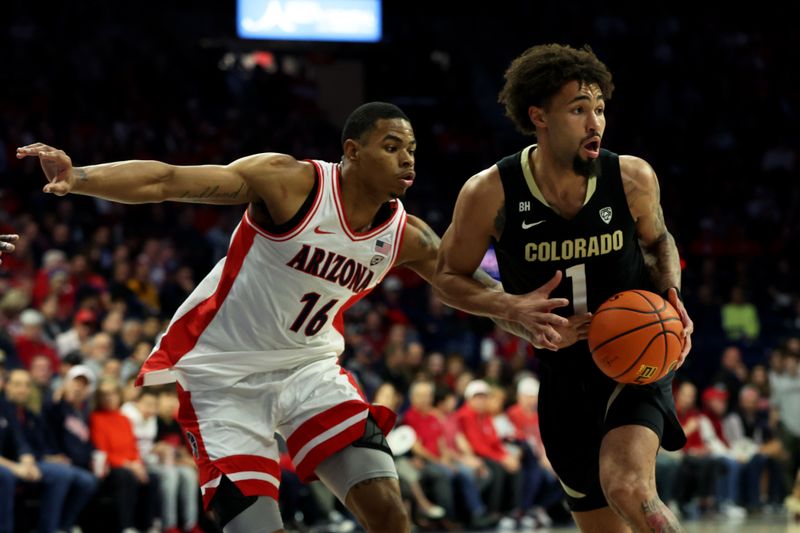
(578, 275)
(318, 320)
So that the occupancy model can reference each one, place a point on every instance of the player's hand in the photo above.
(534, 312)
(56, 164)
(7, 244)
(688, 325)
(576, 330)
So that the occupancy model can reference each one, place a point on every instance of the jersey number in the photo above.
(319, 319)
(577, 273)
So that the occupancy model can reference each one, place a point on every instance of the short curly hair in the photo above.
(538, 74)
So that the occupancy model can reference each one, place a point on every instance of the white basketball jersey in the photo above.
(276, 301)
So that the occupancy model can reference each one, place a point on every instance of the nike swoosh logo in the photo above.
(322, 232)
(532, 224)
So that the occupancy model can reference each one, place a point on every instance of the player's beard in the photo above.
(586, 168)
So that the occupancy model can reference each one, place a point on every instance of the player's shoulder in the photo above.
(637, 174)
(273, 167)
(487, 181)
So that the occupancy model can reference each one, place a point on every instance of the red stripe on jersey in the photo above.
(182, 336)
(343, 220)
(338, 320)
(303, 223)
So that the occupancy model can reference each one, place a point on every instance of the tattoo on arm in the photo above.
(80, 174)
(659, 518)
(500, 220)
(661, 257)
(212, 192)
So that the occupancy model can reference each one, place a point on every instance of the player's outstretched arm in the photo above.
(657, 243)
(136, 182)
(455, 273)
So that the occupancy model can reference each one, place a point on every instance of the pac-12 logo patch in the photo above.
(193, 443)
(376, 259)
(605, 214)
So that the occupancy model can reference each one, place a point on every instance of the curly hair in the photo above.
(538, 74)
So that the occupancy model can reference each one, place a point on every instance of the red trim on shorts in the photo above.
(323, 450)
(257, 487)
(208, 470)
(322, 422)
(183, 334)
(187, 418)
(248, 463)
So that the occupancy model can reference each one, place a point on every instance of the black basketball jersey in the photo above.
(597, 250)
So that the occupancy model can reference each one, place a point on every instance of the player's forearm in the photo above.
(664, 263)
(130, 182)
(478, 295)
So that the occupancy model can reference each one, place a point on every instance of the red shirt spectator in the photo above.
(30, 342)
(428, 427)
(476, 423)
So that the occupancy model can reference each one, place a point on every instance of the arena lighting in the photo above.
(309, 20)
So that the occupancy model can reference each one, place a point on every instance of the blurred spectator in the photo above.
(30, 341)
(441, 468)
(68, 416)
(732, 374)
(17, 462)
(68, 488)
(41, 392)
(730, 465)
(73, 339)
(753, 442)
(133, 489)
(740, 318)
(476, 423)
(786, 398)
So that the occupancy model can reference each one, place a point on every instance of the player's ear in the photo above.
(537, 116)
(351, 148)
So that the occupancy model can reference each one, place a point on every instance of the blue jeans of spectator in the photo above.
(66, 490)
(753, 471)
(729, 480)
(464, 477)
(539, 487)
(8, 486)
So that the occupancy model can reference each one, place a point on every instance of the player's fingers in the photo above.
(58, 188)
(553, 303)
(687, 345)
(6, 247)
(548, 287)
(552, 319)
(9, 237)
(31, 150)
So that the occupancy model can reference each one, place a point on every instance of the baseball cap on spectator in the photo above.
(477, 386)
(31, 317)
(714, 393)
(82, 371)
(528, 386)
(85, 316)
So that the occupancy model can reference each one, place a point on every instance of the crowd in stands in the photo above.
(92, 284)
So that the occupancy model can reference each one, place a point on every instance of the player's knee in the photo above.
(624, 490)
(387, 514)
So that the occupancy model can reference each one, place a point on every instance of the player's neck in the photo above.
(551, 174)
(360, 202)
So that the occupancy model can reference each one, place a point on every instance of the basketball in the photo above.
(636, 337)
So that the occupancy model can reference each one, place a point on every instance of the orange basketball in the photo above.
(636, 337)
